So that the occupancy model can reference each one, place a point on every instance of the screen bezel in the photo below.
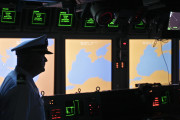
(172, 67)
(117, 81)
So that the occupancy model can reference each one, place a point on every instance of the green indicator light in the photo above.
(70, 111)
(140, 25)
(77, 104)
(111, 24)
(172, 28)
(38, 18)
(62, 12)
(175, 27)
(89, 22)
(8, 16)
(165, 99)
(74, 109)
(5, 9)
(65, 19)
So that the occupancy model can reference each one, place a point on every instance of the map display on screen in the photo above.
(147, 63)
(8, 61)
(88, 65)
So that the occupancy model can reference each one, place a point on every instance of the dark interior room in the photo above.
(89, 60)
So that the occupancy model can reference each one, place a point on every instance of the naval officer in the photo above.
(20, 99)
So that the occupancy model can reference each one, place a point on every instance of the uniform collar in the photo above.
(21, 70)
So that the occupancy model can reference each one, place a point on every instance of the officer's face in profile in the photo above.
(33, 62)
(39, 61)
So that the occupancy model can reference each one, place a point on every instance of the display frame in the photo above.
(30, 25)
(117, 79)
(171, 79)
(14, 25)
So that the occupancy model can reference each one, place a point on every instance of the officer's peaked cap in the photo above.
(37, 45)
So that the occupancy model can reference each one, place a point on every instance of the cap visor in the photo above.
(48, 52)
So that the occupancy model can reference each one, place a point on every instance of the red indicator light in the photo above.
(55, 114)
(124, 43)
(156, 102)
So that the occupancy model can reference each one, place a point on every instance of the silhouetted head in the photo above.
(31, 55)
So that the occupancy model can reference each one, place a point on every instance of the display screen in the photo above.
(38, 17)
(174, 21)
(8, 61)
(8, 15)
(150, 61)
(89, 22)
(88, 65)
(65, 19)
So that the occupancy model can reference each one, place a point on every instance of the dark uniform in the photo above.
(20, 99)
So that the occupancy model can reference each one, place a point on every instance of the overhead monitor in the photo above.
(65, 19)
(140, 25)
(8, 61)
(38, 18)
(89, 22)
(10, 19)
(149, 61)
(174, 21)
(8, 15)
(88, 65)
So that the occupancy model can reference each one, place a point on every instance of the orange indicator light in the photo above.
(122, 64)
(117, 65)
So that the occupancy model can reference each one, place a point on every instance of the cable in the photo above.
(165, 59)
(162, 41)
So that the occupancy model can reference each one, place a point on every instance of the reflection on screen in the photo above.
(147, 63)
(8, 61)
(88, 65)
(174, 21)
